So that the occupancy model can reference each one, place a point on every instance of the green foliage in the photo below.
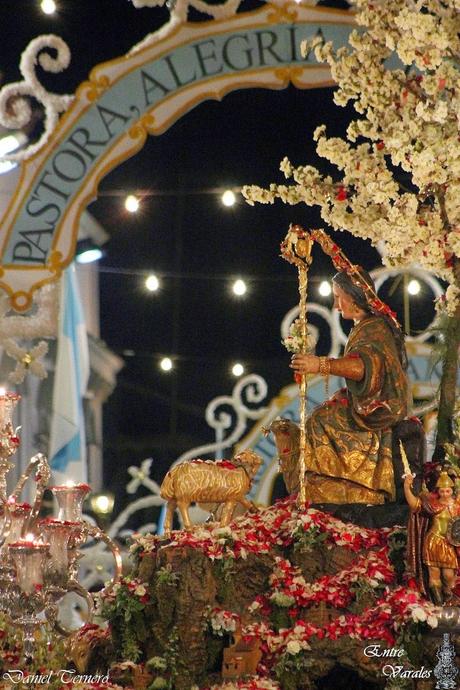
(172, 658)
(165, 584)
(166, 576)
(224, 537)
(167, 666)
(157, 663)
(411, 638)
(125, 613)
(306, 539)
(280, 618)
(224, 570)
(397, 543)
(365, 593)
(292, 670)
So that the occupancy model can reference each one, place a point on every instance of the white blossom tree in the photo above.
(398, 177)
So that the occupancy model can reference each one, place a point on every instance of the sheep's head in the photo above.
(250, 460)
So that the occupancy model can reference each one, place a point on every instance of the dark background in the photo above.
(186, 236)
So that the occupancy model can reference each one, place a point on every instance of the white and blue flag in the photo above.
(67, 450)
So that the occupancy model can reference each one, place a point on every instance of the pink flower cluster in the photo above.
(340, 533)
(275, 526)
(336, 590)
(133, 585)
(222, 621)
(380, 622)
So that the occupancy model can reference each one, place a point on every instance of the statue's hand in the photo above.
(408, 481)
(305, 364)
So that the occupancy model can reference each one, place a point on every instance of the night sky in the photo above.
(185, 235)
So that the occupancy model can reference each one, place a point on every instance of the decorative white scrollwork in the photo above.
(250, 390)
(179, 8)
(15, 107)
(380, 275)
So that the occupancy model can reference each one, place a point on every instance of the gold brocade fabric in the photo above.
(438, 552)
(328, 490)
(348, 458)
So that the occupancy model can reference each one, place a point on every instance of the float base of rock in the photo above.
(286, 598)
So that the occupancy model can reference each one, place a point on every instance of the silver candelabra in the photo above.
(39, 556)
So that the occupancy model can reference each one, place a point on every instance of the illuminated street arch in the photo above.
(143, 93)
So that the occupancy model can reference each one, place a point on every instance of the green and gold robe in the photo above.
(348, 458)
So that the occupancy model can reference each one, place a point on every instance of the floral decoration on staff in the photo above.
(294, 342)
(296, 248)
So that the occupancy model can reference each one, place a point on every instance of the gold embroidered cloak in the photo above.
(348, 457)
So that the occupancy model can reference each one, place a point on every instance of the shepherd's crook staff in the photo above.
(296, 248)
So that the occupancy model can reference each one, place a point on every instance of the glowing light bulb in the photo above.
(413, 287)
(166, 364)
(132, 203)
(228, 198)
(7, 145)
(237, 369)
(48, 6)
(89, 255)
(102, 503)
(239, 287)
(152, 283)
(325, 288)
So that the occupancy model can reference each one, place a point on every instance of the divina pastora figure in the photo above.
(429, 532)
(348, 455)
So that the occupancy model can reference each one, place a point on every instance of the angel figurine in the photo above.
(433, 537)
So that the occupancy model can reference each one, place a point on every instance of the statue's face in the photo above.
(446, 492)
(343, 302)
